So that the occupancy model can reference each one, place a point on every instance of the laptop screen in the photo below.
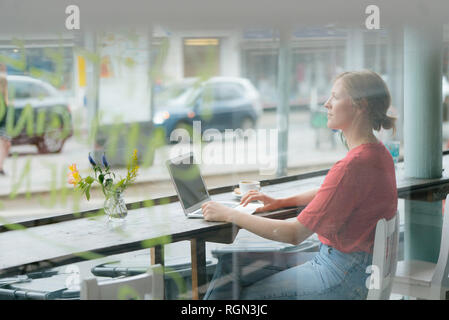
(189, 183)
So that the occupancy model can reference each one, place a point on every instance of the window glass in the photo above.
(38, 91)
(188, 68)
(250, 100)
(228, 91)
(20, 90)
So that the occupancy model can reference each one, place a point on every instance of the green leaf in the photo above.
(101, 178)
(89, 180)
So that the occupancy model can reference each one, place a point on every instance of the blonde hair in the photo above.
(368, 90)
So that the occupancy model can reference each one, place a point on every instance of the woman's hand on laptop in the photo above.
(214, 211)
(269, 203)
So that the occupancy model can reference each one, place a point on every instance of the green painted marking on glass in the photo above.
(87, 255)
(126, 292)
(11, 226)
(156, 140)
(179, 281)
(148, 203)
(156, 70)
(135, 205)
(25, 175)
(114, 132)
(88, 55)
(96, 214)
(150, 243)
(76, 196)
(26, 118)
(164, 201)
(53, 196)
(40, 122)
(133, 138)
(2, 107)
(63, 190)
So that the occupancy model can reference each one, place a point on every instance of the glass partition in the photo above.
(169, 91)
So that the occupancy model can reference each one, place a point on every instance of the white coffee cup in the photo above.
(247, 185)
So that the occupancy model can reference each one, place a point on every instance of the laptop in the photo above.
(191, 189)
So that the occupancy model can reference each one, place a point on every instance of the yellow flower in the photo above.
(132, 167)
(133, 172)
(74, 175)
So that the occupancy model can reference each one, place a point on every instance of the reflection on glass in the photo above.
(173, 64)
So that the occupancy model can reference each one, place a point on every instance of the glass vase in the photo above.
(114, 206)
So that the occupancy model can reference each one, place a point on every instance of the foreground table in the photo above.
(35, 248)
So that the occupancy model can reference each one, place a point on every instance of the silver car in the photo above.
(41, 114)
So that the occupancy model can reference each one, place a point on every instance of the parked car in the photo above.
(219, 103)
(173, 90)
(41, 114)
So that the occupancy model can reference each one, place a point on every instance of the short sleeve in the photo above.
(333, 204)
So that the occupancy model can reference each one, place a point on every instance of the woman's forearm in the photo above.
(301, 199)
(273, 229)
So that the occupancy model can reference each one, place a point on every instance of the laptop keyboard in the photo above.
(226, 204)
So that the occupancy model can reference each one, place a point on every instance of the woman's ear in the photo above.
(362, 105)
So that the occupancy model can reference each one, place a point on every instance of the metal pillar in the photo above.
(423, 135)
(283, 106)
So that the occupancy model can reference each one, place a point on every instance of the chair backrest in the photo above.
(385, 258)
(149, 285)
(440, 276)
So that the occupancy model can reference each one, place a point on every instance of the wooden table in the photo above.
(57, 241)
(66, 242)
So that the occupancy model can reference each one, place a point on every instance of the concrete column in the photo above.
(355, 50)
(230, 54)
(422, 135)
(283, 105)
(423, 110)
(174, 65)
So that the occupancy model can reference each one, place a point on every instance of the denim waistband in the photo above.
(346, 260)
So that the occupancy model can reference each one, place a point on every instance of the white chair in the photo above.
(148, 286)
(422, 279)
(385, 257)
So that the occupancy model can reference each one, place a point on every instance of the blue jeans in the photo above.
(325, 275)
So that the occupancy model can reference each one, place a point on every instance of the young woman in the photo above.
(5, 140)
(358, 190)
